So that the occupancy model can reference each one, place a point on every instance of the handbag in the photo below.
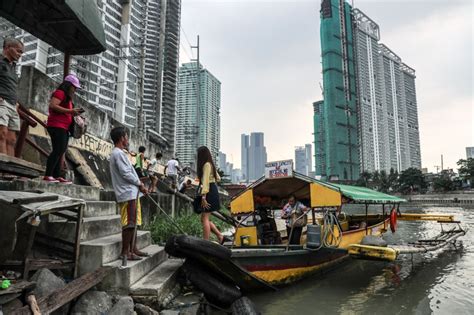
(78, 127)
(197, 208)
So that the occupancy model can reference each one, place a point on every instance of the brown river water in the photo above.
(436, 283)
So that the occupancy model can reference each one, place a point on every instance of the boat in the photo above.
(259, 256)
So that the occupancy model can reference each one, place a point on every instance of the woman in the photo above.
(208, 177)
(61, 112)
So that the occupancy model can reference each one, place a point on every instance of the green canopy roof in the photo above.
(72, 26)
(365, 195)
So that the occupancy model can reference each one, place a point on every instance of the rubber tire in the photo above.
(243, 306)
(373, 240)
(216, 291)
(182, 246)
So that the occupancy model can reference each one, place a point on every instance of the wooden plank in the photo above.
(18, 287)
(40, 198)
(66, 294)
(6, 159)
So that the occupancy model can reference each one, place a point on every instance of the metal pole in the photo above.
(67, 61)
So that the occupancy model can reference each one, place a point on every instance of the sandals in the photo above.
(141, 254)
(225, 239)
(131, 257)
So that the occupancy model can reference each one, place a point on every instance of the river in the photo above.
(434, 283)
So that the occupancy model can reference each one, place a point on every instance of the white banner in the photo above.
(279, 169)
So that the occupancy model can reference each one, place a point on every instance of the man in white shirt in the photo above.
(171, 171)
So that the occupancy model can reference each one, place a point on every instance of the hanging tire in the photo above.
(393, 220)
(216, 291)
(243, 306)
(189, 246)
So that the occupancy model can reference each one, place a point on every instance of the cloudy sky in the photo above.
(267, 56)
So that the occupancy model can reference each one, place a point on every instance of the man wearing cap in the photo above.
(9, 119)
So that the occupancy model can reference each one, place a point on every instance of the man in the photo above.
(171, 170)
(152, 170)
(126, 186)
(184, 186)
(293, 213)
(9, 119)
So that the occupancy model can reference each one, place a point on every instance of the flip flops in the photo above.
(131, 257)
(141, 254)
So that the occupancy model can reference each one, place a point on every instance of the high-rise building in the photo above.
(257, 156)
(303, 160)
(244, 154)
(469, 152)
(338, 113)
(198, 112)
(142, 38)
(368, 120)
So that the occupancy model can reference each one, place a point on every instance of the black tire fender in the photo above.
(216, 291)
(243, 306)
(185, 246)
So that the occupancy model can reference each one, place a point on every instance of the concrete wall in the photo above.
(34, 91)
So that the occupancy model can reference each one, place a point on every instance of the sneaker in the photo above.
(50, 179)
(63, 180)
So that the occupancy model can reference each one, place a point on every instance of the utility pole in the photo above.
(198, 96)
(442, 163)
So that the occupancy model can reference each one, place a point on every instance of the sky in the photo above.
(267, 55)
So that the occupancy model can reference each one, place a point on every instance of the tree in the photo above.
(376, 180)
(466, 170)
(411, 180)
(364, 179)
(393, 179)
(384, 181)
(443, 182)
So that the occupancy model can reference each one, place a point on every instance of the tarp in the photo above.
(72, 26)
(365, 195)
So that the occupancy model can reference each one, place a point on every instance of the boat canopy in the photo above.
(365, 195)
(271, 192)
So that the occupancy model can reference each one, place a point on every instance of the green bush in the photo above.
(162, 228)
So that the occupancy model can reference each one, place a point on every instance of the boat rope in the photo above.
(328, 235)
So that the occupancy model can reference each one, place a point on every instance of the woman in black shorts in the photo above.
(208, 177)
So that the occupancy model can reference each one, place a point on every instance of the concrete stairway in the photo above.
(101, 244)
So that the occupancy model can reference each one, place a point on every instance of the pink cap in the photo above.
(74, 80)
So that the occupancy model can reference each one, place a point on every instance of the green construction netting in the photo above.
(366, 195)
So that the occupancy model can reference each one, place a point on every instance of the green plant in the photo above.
(162, 228)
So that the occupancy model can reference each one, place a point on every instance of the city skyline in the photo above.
(280, 90)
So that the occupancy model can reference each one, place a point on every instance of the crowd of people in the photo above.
(128, 178)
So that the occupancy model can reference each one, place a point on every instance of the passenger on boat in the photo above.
(208, 177)
(291, 212)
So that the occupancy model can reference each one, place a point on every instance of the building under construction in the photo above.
(368, 120)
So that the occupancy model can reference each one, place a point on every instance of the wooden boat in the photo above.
(257, 254)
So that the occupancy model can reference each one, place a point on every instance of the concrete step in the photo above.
(157, 284)
(100, 208)
(73, 191)
(92, 228)
(121, 278)
(106, 249)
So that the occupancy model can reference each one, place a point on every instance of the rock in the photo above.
(9, 307)
(169, 312)
(93, 302)
(124, 306)
(145, 310)
(46, 283)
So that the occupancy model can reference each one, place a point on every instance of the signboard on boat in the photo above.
(279, 169)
